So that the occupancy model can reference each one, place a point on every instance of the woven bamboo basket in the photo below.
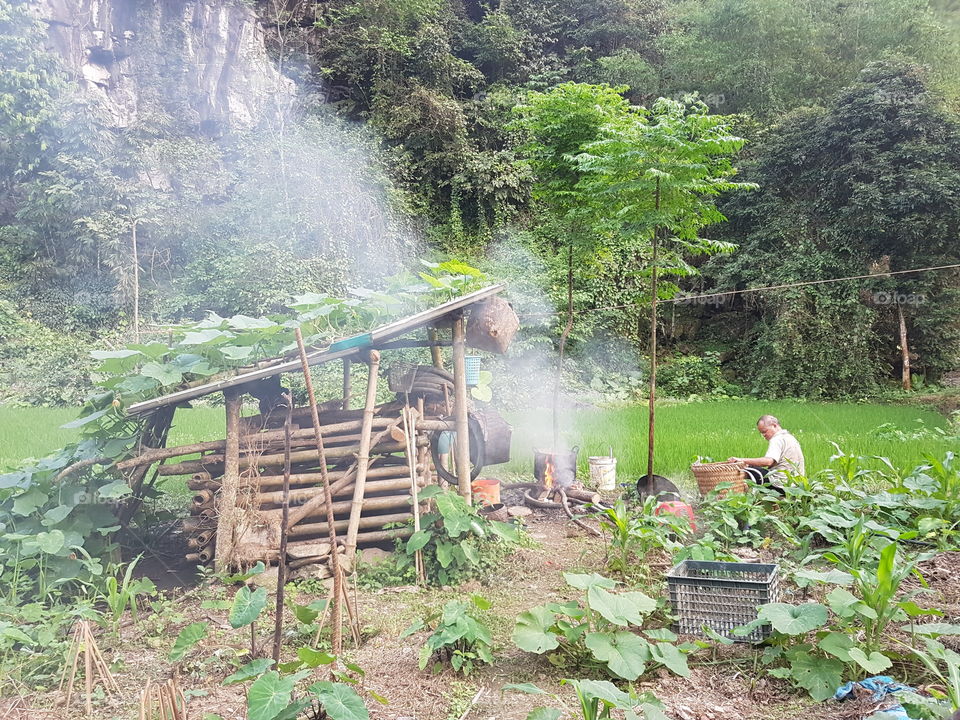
(709, 475)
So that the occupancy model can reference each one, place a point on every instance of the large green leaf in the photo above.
(417, 541)
(818, 676)
(621, 609)
(875, 663)
(585, 581)
(165, 374)
(793, 619)
(187, 639)
(268, 695)
(50, 542)
(531, 631)
(623, 652)
(837, 644)
(456, 514)
(670, 656)
(247, 606)
(250, 670)
(846, 604)
(544, 713)
(340, 701)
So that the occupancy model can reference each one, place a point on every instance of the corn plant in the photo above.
(120, 595)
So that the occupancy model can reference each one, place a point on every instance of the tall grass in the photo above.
(684, 431)
(723, 428)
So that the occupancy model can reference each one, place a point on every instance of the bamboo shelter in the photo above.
(325, 478)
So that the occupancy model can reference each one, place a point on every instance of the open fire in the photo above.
(555, 469)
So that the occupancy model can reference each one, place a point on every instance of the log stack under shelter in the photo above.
(269, 472)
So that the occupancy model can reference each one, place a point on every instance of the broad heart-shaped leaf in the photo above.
(268, 695)
(669, 656)
(340, 701)
(314, 658)
(874, 664)
(837, 644)
(584, 581)
(417, 541)
(544, 713)
(623, 652)
(833, 577)
(621, 609)
(531, 632)
(793, 619)
(845, 604)
(113, 490)
(456, 514)
(165, 374)
(603, 690)
(187, 639)
(50, 542)
(818, 676)
(246, 606)
(250, 670)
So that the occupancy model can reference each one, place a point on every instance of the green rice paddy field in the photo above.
(684, 431)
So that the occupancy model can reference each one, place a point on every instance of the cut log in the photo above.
(304, 494)
(366, 522)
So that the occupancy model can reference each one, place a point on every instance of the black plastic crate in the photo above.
(722, 596)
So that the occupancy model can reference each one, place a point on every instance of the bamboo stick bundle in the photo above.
(366, 522)
(308, 479)
(152, 455)
(214, 463)
(303, 494)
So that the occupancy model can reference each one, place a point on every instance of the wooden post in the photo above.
(284, 519)
(904, 350)
(460, 407)
(436, 354)
(653, 344)
(336, 639)
(346, 384)
(363, 457)
(227, 515)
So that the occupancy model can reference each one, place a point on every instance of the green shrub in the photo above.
(692, 375)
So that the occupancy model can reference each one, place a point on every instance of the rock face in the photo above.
(202, 61)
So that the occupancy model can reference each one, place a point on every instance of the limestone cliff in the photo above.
(203, 61)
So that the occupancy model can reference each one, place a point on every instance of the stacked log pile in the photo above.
(385, 498)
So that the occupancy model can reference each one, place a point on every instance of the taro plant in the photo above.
(597, 699)
(459, 638)
(456, 541)
(745, 518)
(822, 644)
(603, 630)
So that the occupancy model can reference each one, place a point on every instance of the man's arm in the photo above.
(754, 462)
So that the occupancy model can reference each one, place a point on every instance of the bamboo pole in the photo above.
(227, 507)
(152, 455)
(411, 434)
(337, 629)
(302, 495)
(366, 523)
(386, 502)
(311, 480)
(651, 402)
(363, 460)
(460, 407)
(284, 520)
(212, 462)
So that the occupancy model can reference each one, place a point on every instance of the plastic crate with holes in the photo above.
(721, 596)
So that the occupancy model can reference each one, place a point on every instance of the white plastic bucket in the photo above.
(603, 473)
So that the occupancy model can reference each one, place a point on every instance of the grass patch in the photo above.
(715, 429)
(723, 428)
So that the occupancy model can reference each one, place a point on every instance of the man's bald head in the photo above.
(768, 426)
(767, 421)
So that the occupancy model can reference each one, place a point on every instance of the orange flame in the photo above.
(548, 475)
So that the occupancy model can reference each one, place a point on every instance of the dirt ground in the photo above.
(724, 683)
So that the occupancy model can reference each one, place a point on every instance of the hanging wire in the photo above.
(725, 293)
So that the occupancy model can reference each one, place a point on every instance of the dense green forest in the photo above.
(482, 130)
